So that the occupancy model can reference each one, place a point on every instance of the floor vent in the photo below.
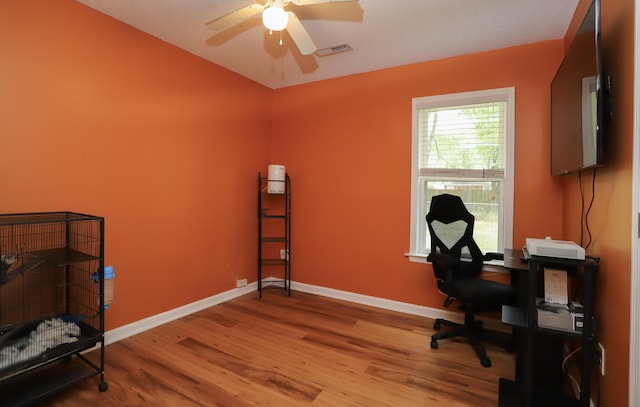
(336, 49)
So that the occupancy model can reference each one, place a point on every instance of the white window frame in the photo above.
(418, 206)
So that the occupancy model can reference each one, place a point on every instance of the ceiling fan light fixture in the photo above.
(275, 18)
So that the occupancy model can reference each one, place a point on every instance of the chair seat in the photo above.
(482, 293)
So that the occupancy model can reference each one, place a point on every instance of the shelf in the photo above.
(273, 239)
(512, 396)
(565, 333)
(88, 338)
(561, 262)
(274, 232)
(517, 317)
(539, 380)
(50, 257)
(514, 316)
(31, 387)
(273, 262)
(63, 256)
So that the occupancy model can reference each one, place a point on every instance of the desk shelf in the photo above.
(517, 317)
(511, 395)
(514, 316)
(538, 380)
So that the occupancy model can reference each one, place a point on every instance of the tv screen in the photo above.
(579, 99)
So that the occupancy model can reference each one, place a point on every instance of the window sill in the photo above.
(417, 258)
(493, 266)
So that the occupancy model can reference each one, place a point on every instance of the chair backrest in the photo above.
(451, 229)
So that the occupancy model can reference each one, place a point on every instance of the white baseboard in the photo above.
(142, 325)
(391, 305)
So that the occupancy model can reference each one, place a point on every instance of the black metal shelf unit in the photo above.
(51, 303)
(274, 234)
(540, 350)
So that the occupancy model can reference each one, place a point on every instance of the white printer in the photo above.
(553, 248)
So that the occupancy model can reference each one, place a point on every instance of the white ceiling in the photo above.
(382, 33)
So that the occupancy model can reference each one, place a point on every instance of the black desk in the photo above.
(513, 260)
(539, 380)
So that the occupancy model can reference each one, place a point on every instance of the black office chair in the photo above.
(457, 263)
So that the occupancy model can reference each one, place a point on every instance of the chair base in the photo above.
(474, 332)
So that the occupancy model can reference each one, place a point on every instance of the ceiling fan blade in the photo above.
(310, 2)
(300, 36)
(235, 17)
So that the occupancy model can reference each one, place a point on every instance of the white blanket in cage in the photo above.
(49, 334)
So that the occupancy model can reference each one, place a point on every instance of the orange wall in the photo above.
(611, 219)
(99, 118)
(347, 145)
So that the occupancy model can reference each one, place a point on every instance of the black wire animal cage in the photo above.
(51, 303)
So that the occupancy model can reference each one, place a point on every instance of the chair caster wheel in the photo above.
(434, 344)
(436, 326)
(485, 362)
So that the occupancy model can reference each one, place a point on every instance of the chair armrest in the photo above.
(493, 256)
(445, 267)
(442, 260)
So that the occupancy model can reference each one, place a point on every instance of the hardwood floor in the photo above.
(292, 351)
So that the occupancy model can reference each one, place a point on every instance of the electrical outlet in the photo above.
(284, 255)
(599, 358)
(241, 283)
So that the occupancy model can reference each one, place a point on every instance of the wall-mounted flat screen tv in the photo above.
(580, 101)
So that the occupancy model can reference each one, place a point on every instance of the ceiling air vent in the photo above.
(336, 49)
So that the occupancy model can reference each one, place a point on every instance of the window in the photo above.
(462, 144)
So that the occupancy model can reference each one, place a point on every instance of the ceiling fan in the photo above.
(275, 18)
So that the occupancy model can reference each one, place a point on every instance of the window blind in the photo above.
(465, 141)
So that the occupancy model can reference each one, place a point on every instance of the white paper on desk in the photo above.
(555, 286)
